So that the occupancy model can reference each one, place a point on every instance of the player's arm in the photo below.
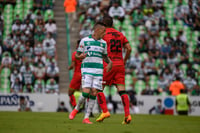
(72, 65)
(80, 55)
(108, 61)
(128, 52)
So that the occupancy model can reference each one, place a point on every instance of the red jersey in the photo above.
(77, 63)
(115, 42)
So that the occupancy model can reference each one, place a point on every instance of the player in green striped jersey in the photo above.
(93, 50)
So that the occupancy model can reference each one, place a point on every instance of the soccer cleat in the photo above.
(73, 114)
(127, 120)
(87, 121)
(103, 116)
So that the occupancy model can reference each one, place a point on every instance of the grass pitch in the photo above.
(29, 122)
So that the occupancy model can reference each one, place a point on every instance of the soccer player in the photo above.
(93, 50)
(115, 42)
(76, 80)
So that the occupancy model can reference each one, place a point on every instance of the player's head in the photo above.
(99, 30)
(108, 21)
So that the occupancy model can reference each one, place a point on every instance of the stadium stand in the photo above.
(164, 36)
(28, 46)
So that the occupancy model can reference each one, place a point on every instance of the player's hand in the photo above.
(109, 67)
(82, 55)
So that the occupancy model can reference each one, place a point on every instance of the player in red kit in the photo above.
(76, 80)
(116, 41)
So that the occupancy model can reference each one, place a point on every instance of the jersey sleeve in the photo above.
(81, 47)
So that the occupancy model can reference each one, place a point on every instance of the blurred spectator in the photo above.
(28, 88)
(162, 85)
(148, 90)
(190, 18)
(52, 86)
(38, 49)
(150, 66)
(159, 4)
(190, 71)
(27, 73)
(40, 58)
(8, 43)
(70, 9)
(167, 74)
(163, 23)
(49, 39)
(153, 30)
(39, 86)
(23, 104)
(16, 86)
(179, 11)
(140, 73)
(52, 71)
(183, 106)
(190, 84)
(93, 12)
(178, 72)
(16, 26)
(165, 49)
(1, 27)
(51, 27)
(6, 60)
(117, 12)
(158, 108)
(39, 32)
(128, 6)
(15, 74)
(176, 86)
(135, 61)
(27, 26)
(136, 18)
(85, 31)
(38, 4)
(172, 60)
(39, 71)
(28, 55)
(62, 107)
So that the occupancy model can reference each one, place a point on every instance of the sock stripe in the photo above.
(86, 95)
(92, 97)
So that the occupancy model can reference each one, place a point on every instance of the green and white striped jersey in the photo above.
(95, 49)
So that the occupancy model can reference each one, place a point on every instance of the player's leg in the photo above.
(107, 76)
(120, 85)
(90, 106)
(86, 85)
(74, 85)
(72, 97)
(125, 101)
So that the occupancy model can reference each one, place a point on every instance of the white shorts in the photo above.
(90, 81)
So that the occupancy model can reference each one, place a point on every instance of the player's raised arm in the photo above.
(128, 52)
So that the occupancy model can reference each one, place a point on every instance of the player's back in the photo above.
(115, 42)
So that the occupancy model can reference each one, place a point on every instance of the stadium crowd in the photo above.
(165, 40)
(28, 47)
(164, 36)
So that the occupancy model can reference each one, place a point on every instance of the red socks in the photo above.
(102, 102)
(72, 100)
(125, 101)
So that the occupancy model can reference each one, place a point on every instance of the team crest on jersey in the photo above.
(101, 44)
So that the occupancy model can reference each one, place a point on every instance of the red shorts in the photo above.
(115, 76)
(76, 81)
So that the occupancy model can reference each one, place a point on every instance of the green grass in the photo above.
(28, 122)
